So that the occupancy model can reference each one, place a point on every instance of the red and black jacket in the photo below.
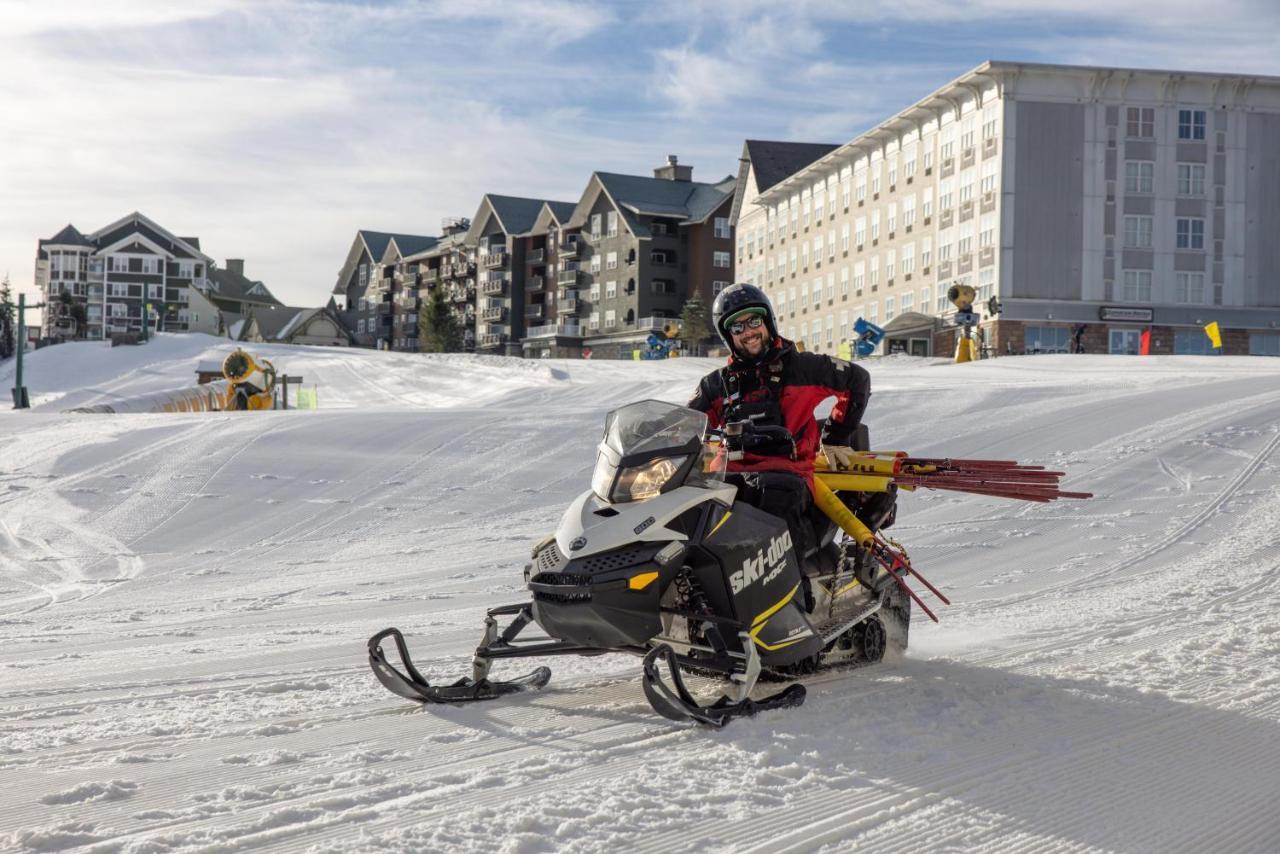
(784, 387)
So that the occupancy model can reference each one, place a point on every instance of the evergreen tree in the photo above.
(8, 321)
(695, 328)
(438, 330)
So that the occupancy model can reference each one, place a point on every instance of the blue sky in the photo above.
(274, 129)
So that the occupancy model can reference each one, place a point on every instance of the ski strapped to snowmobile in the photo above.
(662, 559)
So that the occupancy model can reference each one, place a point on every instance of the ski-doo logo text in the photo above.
(767, 563)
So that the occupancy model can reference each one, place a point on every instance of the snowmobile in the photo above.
(661, 558)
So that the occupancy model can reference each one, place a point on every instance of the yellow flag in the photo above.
(844, 351)
(1215, 334)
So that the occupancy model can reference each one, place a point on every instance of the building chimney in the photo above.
(235, 265)
(673, 171)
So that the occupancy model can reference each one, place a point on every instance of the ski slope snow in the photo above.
(185, 599)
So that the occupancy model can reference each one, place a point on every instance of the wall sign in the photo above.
(1140, 315)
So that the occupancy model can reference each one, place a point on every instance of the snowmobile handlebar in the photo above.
(746, 435)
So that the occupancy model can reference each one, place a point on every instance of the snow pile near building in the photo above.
(184, 601)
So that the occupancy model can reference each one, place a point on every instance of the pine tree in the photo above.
(438, 330)
(8, 321)
(694, 326)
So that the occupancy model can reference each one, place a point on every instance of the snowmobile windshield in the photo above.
(650, 447)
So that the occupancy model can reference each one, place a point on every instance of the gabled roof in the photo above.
(637, 195)
(774, 161)
(179, 245)
(69, 236)
(562, 211)
(515, 214)
(234, 286)
(273, 320)
(412, 244)
(192, 241)
(375, 243)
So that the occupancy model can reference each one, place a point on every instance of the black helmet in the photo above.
(734, 299)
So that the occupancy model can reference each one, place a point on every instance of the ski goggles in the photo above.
(754, 321)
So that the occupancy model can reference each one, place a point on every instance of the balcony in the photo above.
(567, 330)
(567, 306)
(493, 339)
(494, 313)
(494, 260)
(534, 284)
(493, 287)
(653, 322)
(569, 250)
(567, 277)
(431, 276)
(533, 312)
(536, 256)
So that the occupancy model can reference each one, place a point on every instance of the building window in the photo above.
(844, 283)
(906, 302)
(722, 227)
(611, 261)
(597, 224)
(722, 259)
(1136, 286)
(1190, 124)
(593, 321)
(1264, 344)
(593, 293)
(717, 287)
(1138, 176)
(1045, 339)
(595, 263)
(888, 309)
(844, 237)
(1141, 122)
(1189, 288)
(1190, 179)
(908, 264)
(610, 319)
(1137, 232)
(1191, 342)
(610, 289)
(1190, 233)
(613, 223)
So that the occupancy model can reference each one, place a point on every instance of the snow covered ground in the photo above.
(185, 599)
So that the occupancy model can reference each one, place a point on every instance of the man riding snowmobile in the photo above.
(769, 383)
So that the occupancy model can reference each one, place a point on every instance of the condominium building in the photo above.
(117, 273)
(366, 288)
(630, 255)
(1092, 203)
(498, 232)
(548, 335)
(450, 265)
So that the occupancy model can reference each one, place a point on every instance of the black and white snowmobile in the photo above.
(661, 559)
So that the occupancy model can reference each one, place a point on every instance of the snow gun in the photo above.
(251, 383)
(880, 471)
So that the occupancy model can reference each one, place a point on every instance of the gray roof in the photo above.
(411, 244)
(562, 211)
(193, 242)
(233, 286)
(685, 200)
(377, 241)
(69, 236)
(517, 214)
(272, 320)
(774, 161)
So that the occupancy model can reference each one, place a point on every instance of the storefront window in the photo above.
(1191, 342)
(1046, 339)
(1261, 344)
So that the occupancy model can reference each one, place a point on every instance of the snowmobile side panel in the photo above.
(758, 570)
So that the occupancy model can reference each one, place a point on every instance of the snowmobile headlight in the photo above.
(636, 483)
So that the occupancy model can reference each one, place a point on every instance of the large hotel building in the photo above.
(1093, 203)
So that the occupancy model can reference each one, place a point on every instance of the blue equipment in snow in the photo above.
(869, 337)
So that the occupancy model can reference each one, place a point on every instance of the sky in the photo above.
(274, 129)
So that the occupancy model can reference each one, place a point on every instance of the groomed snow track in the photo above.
(184, 602)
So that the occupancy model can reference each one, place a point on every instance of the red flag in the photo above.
(1145, 348)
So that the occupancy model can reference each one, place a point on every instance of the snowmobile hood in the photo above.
(592, 525)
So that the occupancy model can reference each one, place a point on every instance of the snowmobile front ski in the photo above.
(414, 686)
(679, 705)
